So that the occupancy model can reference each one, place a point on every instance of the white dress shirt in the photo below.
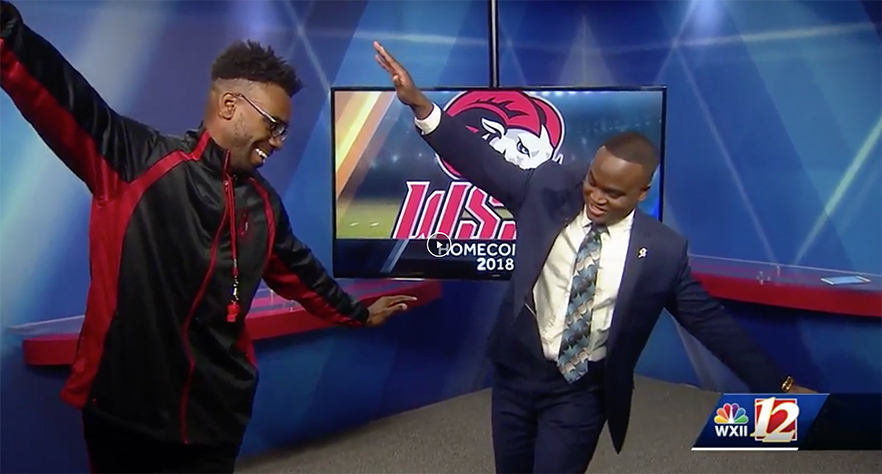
(430, 123)
(552, 289)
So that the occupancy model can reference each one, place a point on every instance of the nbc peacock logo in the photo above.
(731, 421)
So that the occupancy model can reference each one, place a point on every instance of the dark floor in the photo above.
(454, 436)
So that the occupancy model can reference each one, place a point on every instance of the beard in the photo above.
(241, 149)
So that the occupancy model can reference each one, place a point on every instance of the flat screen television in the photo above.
(401, 212)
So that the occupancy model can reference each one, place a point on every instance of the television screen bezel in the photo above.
(334, 89)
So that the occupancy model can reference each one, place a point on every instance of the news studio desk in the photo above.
(790, 286)
(54, 342)
(453, 436)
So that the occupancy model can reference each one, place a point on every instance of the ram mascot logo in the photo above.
(526, 129)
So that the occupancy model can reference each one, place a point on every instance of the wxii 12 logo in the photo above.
(775, 420)
(760, 422)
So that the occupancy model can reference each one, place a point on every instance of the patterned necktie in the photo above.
(573, 357)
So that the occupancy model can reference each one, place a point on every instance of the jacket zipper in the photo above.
(233, 306)
(185, 331)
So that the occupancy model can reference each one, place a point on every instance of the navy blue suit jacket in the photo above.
(543, 201)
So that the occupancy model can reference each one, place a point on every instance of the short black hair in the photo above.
(634, 147)
(251, 61)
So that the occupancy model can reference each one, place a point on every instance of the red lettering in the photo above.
(451, 213)
(507, 231)
(421, 216)
(487, 220)
(416, 208)
(410, 209)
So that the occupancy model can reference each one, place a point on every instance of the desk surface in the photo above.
(788, 286)
(54, 342)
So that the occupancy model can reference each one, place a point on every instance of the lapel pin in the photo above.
(641, 253)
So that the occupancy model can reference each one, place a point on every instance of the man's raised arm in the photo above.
(103, 148)
(472, 157)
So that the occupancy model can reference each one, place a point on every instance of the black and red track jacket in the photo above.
(157, 352)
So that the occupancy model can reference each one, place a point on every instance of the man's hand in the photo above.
(407, 91)
(385, 307)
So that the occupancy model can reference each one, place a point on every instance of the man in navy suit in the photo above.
(592, 275)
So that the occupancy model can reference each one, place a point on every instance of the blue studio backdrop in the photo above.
(773, 154)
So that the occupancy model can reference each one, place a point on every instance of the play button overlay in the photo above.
(438, 244)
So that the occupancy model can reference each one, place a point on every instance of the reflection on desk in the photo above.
(788, 286)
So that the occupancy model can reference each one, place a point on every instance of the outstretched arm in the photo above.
(706, 319)
(103, 148)
(294, 273)
(474, 158)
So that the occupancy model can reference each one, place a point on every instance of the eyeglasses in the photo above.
(278, 127)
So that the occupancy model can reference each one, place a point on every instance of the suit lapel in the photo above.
(634, 266)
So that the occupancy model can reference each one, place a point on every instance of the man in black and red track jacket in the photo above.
(182, 231)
